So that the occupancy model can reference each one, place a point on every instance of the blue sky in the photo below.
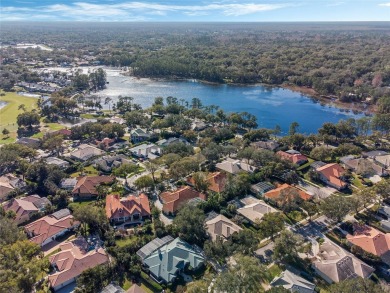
(190, 10)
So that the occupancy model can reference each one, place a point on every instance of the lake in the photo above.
(272, 106)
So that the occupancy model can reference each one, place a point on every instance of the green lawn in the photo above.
(307, 165)
(125, 241)
(273, 272)
(127, 284)
(10, 111)
(88, 116)
(356, 181)
(74, 205)
(89, 170)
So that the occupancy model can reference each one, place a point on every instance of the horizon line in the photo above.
(210, 21)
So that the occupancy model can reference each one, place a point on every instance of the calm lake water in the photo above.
(272, 106)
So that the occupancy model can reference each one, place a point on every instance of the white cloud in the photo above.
(385, 4)
(135, 10)
(335, 4)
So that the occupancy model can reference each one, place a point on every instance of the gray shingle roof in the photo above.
(168, 259)
(293, 282)
(149, 248)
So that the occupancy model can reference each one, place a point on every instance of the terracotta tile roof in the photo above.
(87, 185)
(216, 180)
(286, 189)
(172, 201)
(48, 226)
(72, 260)
(371, 240)
(129, 206)
(293, 158)
(333, 172)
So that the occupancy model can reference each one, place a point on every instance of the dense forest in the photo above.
(349, 60)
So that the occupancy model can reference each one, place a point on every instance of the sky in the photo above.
(195, 11)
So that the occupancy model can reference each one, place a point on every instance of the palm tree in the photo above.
(22, 107)
(108, 101)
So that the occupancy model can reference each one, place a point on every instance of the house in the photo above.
(112, 288)
(374, 154)
(384, 210)
(216, 181)
(334, 264)
(139, 135)
(57, 162)
(135, 289)
(31, 142)
(332, 175)
(292, 282)
(233, 166)
(198, 125)
(262, 187)
(8, 183)
(117, 120)
(167, 257)
(221, 227)
(380, 157)
(105, 143)
(64, 132)
(107, 163)
(74, 258)
(279, 194)
(25, 207)
(254, 209)
(171, 140)
(48, 228)
(147, 151)
(68, 183)
(85, 152)
(293, 156)
(173, 201)
(133, 208)
(267, 145)
(86, 187)
(372, 241)
(363, 167)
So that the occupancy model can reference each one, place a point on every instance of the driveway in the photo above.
(158, 204)
(318, 192)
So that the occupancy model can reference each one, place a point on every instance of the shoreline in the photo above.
(308, 92)
(311, 93)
